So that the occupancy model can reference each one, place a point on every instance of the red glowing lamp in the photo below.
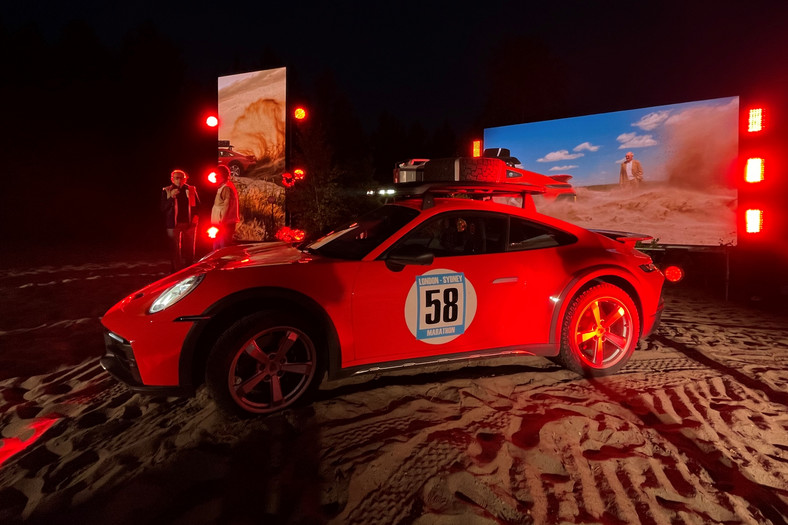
(755, 120)
(299, 113)
(476, 149)
(754, 170)
(674, 273)
(290, 235)
(212, 232)
(753, 220)
(211, 121)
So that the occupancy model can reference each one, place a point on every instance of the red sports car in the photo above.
(235, 162)
(449, 272)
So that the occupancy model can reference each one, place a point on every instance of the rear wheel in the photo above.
(263, 363)
(600, 331)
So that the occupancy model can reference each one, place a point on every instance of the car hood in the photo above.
(251, 255)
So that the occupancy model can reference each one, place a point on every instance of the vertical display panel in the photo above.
(252, 144)
(687, 192)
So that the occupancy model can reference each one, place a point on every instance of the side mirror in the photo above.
(401, 257)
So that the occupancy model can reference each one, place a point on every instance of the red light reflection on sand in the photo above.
(11, 446)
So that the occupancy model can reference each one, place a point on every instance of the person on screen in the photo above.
(224, 214)
(631, 172)
(179, 202)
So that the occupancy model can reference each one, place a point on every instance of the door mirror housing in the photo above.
(398, 258)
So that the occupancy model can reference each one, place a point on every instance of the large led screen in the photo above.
(252, 143)
(684, 154)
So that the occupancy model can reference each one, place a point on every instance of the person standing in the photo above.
(224, 214)
(631, 174)
(179, 202)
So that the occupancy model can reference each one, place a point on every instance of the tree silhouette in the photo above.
(331, 146)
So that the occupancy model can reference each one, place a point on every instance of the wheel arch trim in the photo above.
(614, 275)
(223, 313)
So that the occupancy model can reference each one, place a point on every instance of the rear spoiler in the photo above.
(627, 238)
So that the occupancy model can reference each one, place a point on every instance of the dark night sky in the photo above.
(428, 60)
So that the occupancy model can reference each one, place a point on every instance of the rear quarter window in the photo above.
(528, 235)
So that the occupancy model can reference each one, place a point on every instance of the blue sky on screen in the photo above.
(591, 148)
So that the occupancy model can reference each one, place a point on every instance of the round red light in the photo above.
(212, 121)
(674, 273)
(299, 113)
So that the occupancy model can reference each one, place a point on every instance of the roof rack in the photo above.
(468, 189)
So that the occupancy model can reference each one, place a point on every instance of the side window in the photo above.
(527, 235)
(454, 234)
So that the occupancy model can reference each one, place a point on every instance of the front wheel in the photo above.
(600, 331)
(263, 363)
(235, 169)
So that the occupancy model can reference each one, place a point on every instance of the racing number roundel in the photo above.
(440, 306)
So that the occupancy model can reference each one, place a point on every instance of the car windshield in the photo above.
(356, 239)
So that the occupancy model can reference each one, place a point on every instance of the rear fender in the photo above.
(603, 274)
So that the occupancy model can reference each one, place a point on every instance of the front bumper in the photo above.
(119, 361)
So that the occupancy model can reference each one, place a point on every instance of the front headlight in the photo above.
(175, 293)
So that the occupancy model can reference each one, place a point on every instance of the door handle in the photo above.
(504, 280)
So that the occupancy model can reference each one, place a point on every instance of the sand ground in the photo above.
(694, 430)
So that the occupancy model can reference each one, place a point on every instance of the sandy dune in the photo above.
(672, 214)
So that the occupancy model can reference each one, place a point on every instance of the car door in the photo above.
(474, 296)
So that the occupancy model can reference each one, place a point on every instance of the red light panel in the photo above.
(477, 149)
(753, 221)
(754, 170)
(755, 121)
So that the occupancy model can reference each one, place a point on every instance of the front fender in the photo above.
(222, 314)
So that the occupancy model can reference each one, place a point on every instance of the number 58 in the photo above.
(446, 311)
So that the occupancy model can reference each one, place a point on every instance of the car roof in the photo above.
(434, 198)
(453, 203)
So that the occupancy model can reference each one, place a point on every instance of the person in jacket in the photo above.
(224, 214)
(631, 174)
(179, 203)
